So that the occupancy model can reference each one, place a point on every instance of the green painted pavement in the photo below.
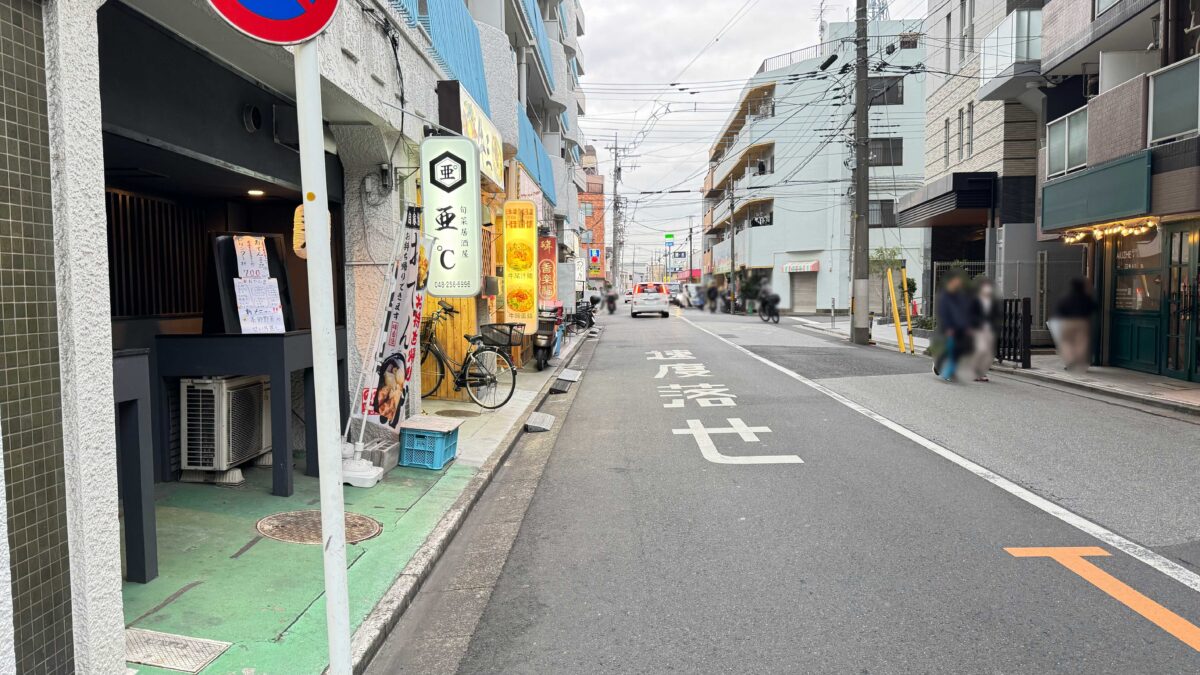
(269, 601)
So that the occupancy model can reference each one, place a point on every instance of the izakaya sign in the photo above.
(453, 218)
(547, 277)
(520, 258)
(279, 22)
(459, 112)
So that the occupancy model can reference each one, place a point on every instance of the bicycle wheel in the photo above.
(763, 313)
(433, 371)
(775, 317)
(573, 326)
(490, 377)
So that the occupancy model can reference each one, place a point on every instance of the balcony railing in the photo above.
(532, 153)
(1067, 143)
(456, 46)
(1018, 39)
(1175, 101)
(533, 14)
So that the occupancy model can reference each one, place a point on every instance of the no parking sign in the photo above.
(279, 22)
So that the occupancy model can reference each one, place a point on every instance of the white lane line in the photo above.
(1158, 562)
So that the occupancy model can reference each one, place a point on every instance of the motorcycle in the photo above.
(546, 336)
(610, 302)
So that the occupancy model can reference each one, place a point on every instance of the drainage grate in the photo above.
(304, 527)
(174, 652)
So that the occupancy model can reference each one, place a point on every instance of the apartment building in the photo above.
(1119, 171)
(777, 193)
(982, 126)
(593, 213)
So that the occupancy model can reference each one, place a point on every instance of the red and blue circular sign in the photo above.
(280, 22)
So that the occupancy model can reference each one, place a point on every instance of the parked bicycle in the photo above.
(486, 372)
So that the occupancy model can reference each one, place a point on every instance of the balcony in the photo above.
(532, 154)
(743, 159)
(1175, 102)
(1076, 31)
(456, 46)
(1010, 56)
(1067, 143)
(533, 15)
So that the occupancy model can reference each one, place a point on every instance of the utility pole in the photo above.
(733, 286)
(691, 219)
(618, 214)
(860, 286)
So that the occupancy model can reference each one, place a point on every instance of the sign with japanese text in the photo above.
(459, 112)
(391, 368)
(547, 270)
(520, 260)
(595, 263)
(453, 215)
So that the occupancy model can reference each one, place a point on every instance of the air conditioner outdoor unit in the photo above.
(224, 421)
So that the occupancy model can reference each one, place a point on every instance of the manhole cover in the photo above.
(304, 527)
(457, 413)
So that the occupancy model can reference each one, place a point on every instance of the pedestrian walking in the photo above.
(1071, 326)
(954, 322)
(712, 294)
(984, 316)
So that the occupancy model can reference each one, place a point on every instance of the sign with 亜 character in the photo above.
(520, 259)
(547, 283)
(453, 215)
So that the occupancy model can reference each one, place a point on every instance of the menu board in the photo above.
(246, 285)
(260, 309)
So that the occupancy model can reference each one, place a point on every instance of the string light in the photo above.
(1117, 229)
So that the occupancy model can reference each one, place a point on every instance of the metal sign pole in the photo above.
(324, 343)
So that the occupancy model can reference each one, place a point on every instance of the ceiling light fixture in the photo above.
(255, 193)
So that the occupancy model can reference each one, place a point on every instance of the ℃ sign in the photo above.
(547, 282)
(453, 219)
(278, 22)
(520, 258)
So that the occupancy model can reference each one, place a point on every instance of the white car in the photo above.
(650, 298)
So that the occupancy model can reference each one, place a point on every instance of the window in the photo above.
(1103, 6)
(586, 209)
(949, 36)
(1066, 143)
(882, 213)
(946, 144)
(1138, 283)
(885, 151)
(885, 90)
(908, 40)
(961, 134)
(962, 31)
(970, 129)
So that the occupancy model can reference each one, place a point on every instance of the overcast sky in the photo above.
(631, 46)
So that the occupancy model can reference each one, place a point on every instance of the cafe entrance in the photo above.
(1182, 286)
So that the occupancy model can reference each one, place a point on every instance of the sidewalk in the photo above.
(220, 579)
(1152, 390)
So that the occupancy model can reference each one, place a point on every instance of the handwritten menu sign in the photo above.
(259, 307)
(251, 255)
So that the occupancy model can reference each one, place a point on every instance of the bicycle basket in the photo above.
(502, 334)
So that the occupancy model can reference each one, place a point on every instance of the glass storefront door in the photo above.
(1182, 287)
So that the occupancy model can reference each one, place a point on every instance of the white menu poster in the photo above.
(259, 307)
(251, 255)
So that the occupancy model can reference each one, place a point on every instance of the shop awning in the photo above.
(802, 266)
(954, 199)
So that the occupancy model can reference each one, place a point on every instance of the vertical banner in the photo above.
(520, 258)
(547, 270)
(396, 345)
(454, 219)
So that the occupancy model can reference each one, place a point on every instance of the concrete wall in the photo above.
(1119, 118)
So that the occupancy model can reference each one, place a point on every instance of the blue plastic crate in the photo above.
(427, 449)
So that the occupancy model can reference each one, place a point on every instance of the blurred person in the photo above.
(1074, 317)
(954, 322)
(985, 313)
(712, 294)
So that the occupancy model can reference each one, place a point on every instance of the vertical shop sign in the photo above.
(396, 345)
(520, 257)
(547, 283)
(453, 218)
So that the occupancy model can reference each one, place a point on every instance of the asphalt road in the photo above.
(643, 551)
